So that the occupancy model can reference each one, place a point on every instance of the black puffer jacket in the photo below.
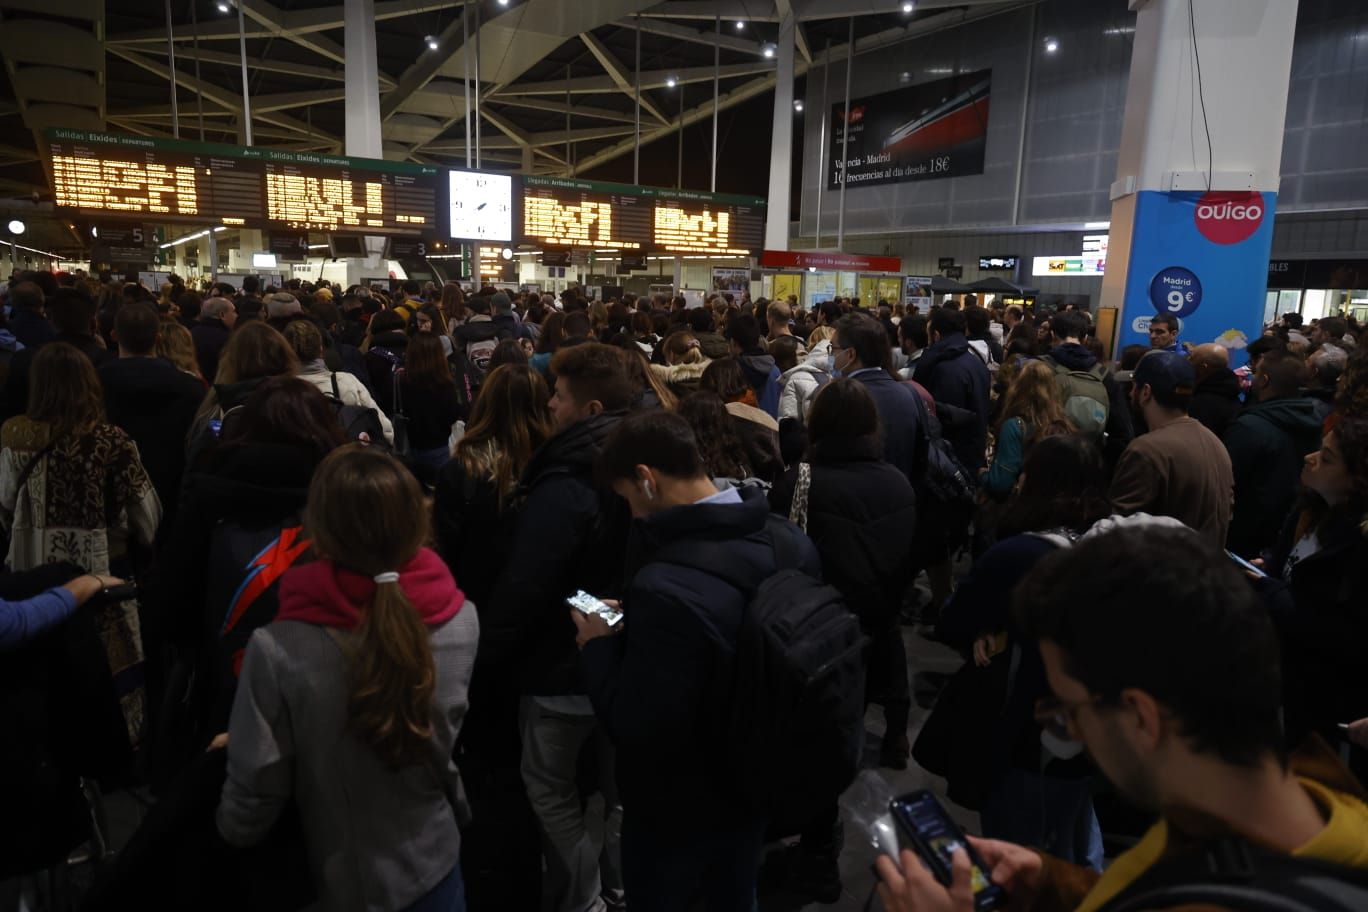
(956, 376)
(661, 688)
(568, 535)
(1216, 401)
(862, 514)
(381, 369)
(155, 403)
(1323, 626)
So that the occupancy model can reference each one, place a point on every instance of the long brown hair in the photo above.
(288, 411)
(1034, 398)
(425, 362)
(366, 513)
(508, 422)
(254, 350)
(64, 391)
(639, 372)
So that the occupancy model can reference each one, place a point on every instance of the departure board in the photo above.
(566, 212)
(170, 180)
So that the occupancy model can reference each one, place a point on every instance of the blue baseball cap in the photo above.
(1166, 373)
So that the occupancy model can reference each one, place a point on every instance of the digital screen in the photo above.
(481, 206)
(585, 218)
(565, 212)
(170, 180)
(998, 262)
(924, 816)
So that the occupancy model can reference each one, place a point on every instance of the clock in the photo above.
(481, 206)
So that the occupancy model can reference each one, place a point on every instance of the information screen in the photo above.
(481, 206)
(564, 212)
(170, 180)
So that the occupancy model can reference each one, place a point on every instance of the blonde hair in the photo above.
(366, 513)
(175, 344)
(681, 347)
(508, 422)
(1034, 397)
(821, 334)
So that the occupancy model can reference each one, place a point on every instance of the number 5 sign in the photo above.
(1175, 290)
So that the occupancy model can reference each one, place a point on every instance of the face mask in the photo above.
(831, 366)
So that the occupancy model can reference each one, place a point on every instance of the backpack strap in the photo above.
(337, 394)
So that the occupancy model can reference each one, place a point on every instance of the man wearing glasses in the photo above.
(1164, 665)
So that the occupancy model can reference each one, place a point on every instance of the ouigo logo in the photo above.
(1229, 217)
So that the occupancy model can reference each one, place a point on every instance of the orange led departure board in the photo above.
(566, 212)
(170, 180)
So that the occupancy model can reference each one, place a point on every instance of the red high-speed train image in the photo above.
(955, 122)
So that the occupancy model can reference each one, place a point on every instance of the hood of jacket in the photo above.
(330, 595)
(231, 395)
(678, 373)
(818, 353)
(1293, 414)
(1223, 385)
(713, 344)
(481, 331)
(757, 366)
(1073, 356)
(254, 479)
(573, 450)
(947, 348)
(394, 340)
(817, 370)
(753, 414)
(713, 522)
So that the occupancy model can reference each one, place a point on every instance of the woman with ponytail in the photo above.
(350, 702)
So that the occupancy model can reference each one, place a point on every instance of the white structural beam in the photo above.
(309, 71)
(785, 10)
(560, 107)
(697, 36)
(618, 73)
(650, 79)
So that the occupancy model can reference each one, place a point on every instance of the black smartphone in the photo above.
(1246, 565)
(935, 837)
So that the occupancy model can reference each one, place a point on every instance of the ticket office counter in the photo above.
(812, 288)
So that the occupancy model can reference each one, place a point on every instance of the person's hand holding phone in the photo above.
(915, 888)
(1015, 868)
(592, 626)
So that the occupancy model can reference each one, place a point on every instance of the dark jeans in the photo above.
(447, 896)
(666, 870)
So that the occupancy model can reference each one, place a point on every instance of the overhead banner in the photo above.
(920, 132)
(1200, 257)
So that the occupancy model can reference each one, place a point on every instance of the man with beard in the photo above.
(1186, 725)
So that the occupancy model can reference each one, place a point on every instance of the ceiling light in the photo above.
(94, 231)
(431, 42)
(16, 226)
(740, 25)
(1051, 45)
(768, 50)
(506, 253)
(671, 82)
(907, 7)
(503, 2)
(223, 7)
(798, 106)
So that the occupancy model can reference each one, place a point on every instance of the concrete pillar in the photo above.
(527, 159)
(1191, 229)
(362, 81)
(781, 141)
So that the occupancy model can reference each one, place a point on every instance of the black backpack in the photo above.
(1231, 873)
(944, 478)
(795, 733)
(359, 422)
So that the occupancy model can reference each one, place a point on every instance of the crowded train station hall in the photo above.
(673, 455)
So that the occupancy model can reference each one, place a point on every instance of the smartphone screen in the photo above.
(215, 426)
(936, 838)
(1244, 564)
(586, 603)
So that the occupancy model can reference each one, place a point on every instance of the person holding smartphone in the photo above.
(1198, 742)
(656, 682)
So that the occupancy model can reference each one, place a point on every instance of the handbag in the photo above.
(798, 512)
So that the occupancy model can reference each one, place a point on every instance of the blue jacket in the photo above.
(957, 377)
(763, 376)
(30, 328)
(661, 687)
(1008, 457)
(897, 407)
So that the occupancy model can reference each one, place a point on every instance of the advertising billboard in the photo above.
(919, 132)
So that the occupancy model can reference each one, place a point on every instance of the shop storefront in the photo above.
(815, 277)
(1317, 288)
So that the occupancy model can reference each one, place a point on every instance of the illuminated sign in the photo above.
(561, 212)
(481, 206)
(170, 180)
(997, 262)
(1092, 261)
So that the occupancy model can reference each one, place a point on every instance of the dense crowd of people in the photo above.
(450, 597)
